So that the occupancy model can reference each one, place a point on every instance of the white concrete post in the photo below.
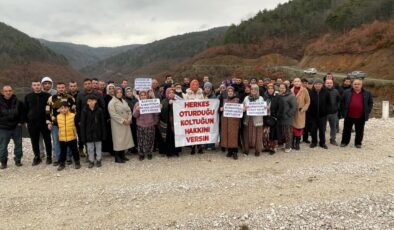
(385, 109)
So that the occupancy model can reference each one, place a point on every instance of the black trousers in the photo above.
(63, 150)
(359, 124)
(307, 129)
(318, 124)
(35, 129)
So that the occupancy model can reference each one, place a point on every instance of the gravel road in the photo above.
(338, 188)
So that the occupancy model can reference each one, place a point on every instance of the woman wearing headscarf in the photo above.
(166, 125)
(285, 121)
(131, 100)
(145, 129)
(194, 93)
(107, 145)
(253, 125)
(230, 127)
(303, 101)
(270, 128)
(121, 119)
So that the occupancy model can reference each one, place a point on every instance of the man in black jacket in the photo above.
(320, 102)
(81, 104)
(332, 116)
(357, 104)
(35, 104)
(11, 120)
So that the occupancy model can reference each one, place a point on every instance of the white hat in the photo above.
(44, 79)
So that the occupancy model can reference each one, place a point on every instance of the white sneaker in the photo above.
(288, 150)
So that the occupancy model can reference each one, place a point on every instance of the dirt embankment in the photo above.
(369, 48)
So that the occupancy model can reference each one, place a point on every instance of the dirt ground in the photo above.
(310, 189)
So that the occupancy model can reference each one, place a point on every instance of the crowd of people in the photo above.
(66, 123)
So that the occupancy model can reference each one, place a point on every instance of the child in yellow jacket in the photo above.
(67, 136)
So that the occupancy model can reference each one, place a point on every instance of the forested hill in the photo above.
(80, 56)
(23, 58)
(309, 18)
(159, 53)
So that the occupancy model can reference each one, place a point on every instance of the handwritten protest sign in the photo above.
(234, 110)
(257, 109)
(196, 122)
(150, 106)
(143, 84)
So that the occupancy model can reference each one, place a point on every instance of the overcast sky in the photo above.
(121, 22)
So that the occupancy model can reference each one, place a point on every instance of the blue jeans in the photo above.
(5, 137)
(56, 144)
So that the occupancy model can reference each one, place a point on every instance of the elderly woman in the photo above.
(230, 127)
(285, 121)
(195, 93)
(270, 128)
(120, 114)
(167, 126)
(145, 129)
(303, 101)
(253, 125)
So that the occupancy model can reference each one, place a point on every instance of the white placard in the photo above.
(256, 108)
(149, 106)
(196, 122)
(234, 110)
(143, 84)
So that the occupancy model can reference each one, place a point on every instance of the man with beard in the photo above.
(35, 104)
(52, 110)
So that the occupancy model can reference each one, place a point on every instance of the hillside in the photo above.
(160, 55)
(80, 56)
(368, 48)
(23, 58)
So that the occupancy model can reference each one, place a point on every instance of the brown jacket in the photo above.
(303, 102)
(229, 128)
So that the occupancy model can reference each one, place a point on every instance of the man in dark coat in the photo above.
(357, 104)
(11, 120)
(35, 104)
(332, 116)
(319, 107)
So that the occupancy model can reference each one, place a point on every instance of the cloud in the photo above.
(113, 23)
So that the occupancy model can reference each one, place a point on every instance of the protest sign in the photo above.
(149, 106)
(143, 84)
(256, 108)
(234, 110)
(196, 122)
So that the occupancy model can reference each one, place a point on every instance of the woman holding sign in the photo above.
(194, 93)
(253, 120)
(230, 125)
(145, 129)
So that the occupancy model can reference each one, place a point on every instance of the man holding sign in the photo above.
(255, 108)
(230, 120)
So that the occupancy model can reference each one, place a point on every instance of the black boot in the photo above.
(117, 158)
(77, 165)
(235, 155)
(3, 164)
(193, 150)
(293, 142)
(297, 143)
(123, 156)
(36, 161)
(229, 153)
(200, 150)
(61, 166)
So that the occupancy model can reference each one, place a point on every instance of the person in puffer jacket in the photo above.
(67, 136)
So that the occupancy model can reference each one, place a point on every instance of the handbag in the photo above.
(269, 120)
